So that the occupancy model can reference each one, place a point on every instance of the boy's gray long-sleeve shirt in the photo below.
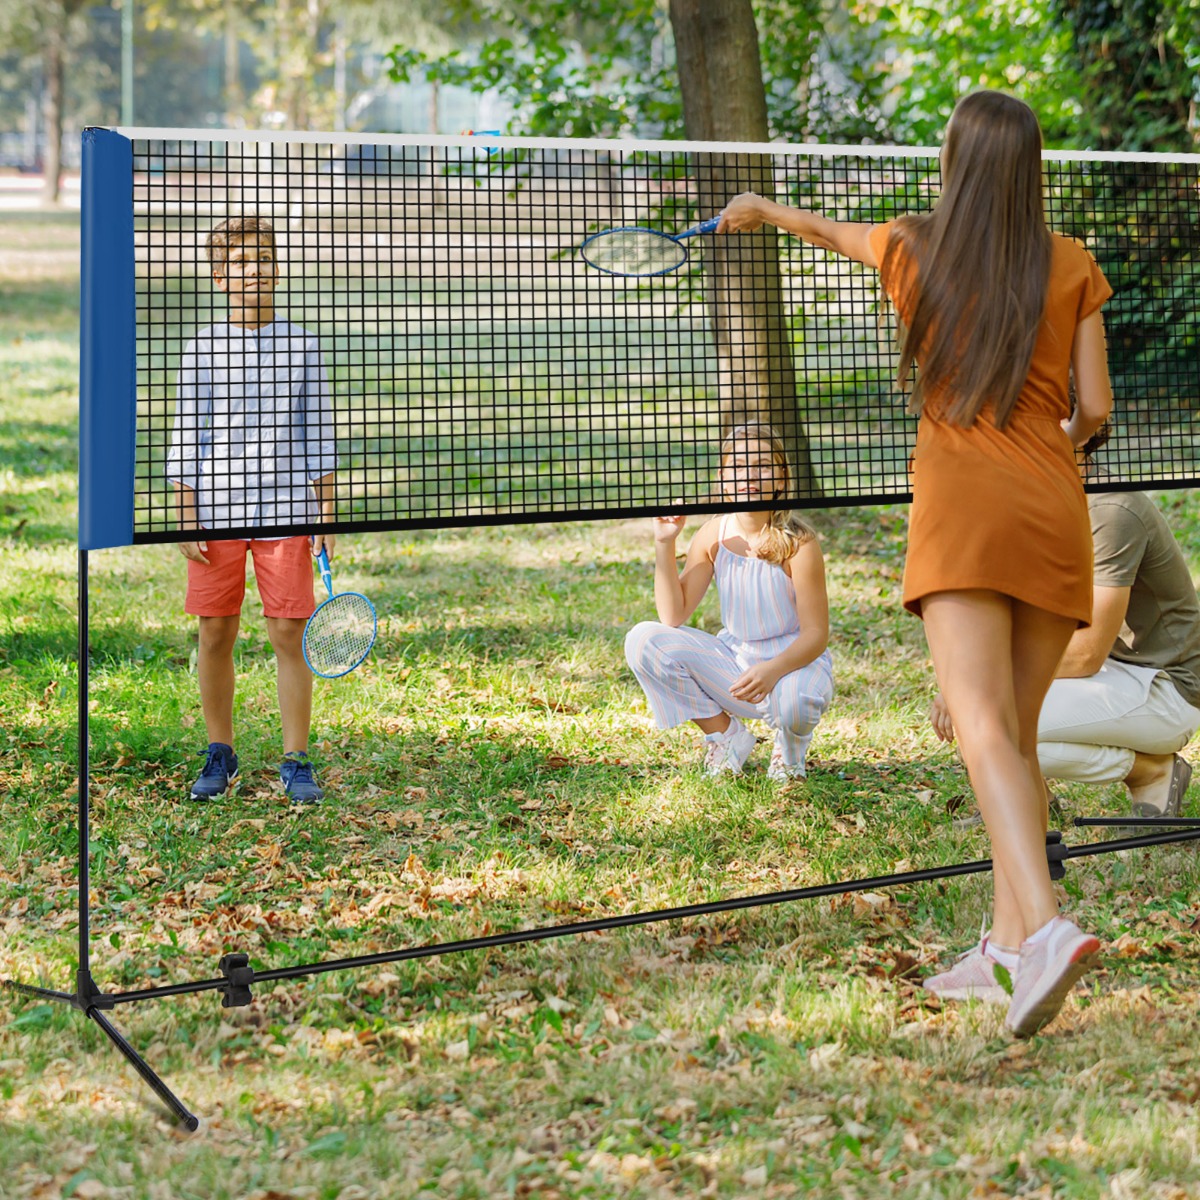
(253, 425)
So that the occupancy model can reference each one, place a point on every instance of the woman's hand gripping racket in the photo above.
(340, 634)
(634, 250)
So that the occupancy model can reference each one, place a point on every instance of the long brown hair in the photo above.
(974, 289)
(786, 530)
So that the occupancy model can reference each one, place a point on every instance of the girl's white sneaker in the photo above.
(728, 751)
(778, 771)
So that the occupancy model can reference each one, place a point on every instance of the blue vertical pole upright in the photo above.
(107, 343)
(107, 450)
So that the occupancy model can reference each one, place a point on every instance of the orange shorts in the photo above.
(283, 571)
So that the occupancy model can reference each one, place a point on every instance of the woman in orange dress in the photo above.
(1000, 313)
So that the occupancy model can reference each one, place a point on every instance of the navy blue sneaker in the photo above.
(297, 775)
(219, 771)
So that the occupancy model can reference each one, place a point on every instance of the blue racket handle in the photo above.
(704, 227)
(483, 133)
(326, 574)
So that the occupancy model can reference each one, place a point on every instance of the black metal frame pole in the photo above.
(177, 1108)
(1139, 822)
(84, 986)
(27, 989)
(87, 997)
(1057, 852)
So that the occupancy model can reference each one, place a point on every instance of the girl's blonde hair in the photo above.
(973, 274)
(786, 530)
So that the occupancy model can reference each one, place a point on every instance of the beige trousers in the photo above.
(1091, 728)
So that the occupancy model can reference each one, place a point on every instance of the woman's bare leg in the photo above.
(1039, 639)
(994, 658)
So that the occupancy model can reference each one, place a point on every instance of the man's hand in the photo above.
(939, 718)
(194, 551)
(323, 541)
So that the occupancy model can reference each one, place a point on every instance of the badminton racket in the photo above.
(635, 250)
(341, 632)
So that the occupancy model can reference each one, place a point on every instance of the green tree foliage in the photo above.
(596, 68)
(936, 52)
(1139, 65)
(577, 68)
(825, 70)
(1100, 73)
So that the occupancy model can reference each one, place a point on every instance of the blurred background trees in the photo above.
(1103, 74)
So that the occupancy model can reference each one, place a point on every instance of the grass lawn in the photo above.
(494, 767)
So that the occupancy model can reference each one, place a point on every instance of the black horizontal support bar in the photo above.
(603, 924)
(1133, 843)
(600, 925)
(27, 989)
(1140, 822)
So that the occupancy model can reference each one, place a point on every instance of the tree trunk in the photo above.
(308, 56)
(234, 101)
(339, 77)
(720, 72)
(53, 56)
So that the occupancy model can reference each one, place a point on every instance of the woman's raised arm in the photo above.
(749, 211)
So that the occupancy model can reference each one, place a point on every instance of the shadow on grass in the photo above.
(112, 647)
(34, 449)
(456, 836)
(39, 513)
(116, 644)
(459, 804)
(39, 305)
(30, 648)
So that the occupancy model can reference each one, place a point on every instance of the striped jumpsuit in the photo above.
(686, 673)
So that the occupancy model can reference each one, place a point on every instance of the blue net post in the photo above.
(107, 343)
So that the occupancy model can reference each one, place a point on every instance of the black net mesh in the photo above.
(439, 353)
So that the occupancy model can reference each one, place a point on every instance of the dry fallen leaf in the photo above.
(871, 902)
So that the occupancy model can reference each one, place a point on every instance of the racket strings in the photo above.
(339, 634)
(634, 252)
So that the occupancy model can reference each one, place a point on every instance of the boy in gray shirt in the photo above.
(252, 445)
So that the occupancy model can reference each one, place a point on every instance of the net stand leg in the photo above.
(87, 997)
(175, 1106)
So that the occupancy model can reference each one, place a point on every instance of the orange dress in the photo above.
(1004, 509)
